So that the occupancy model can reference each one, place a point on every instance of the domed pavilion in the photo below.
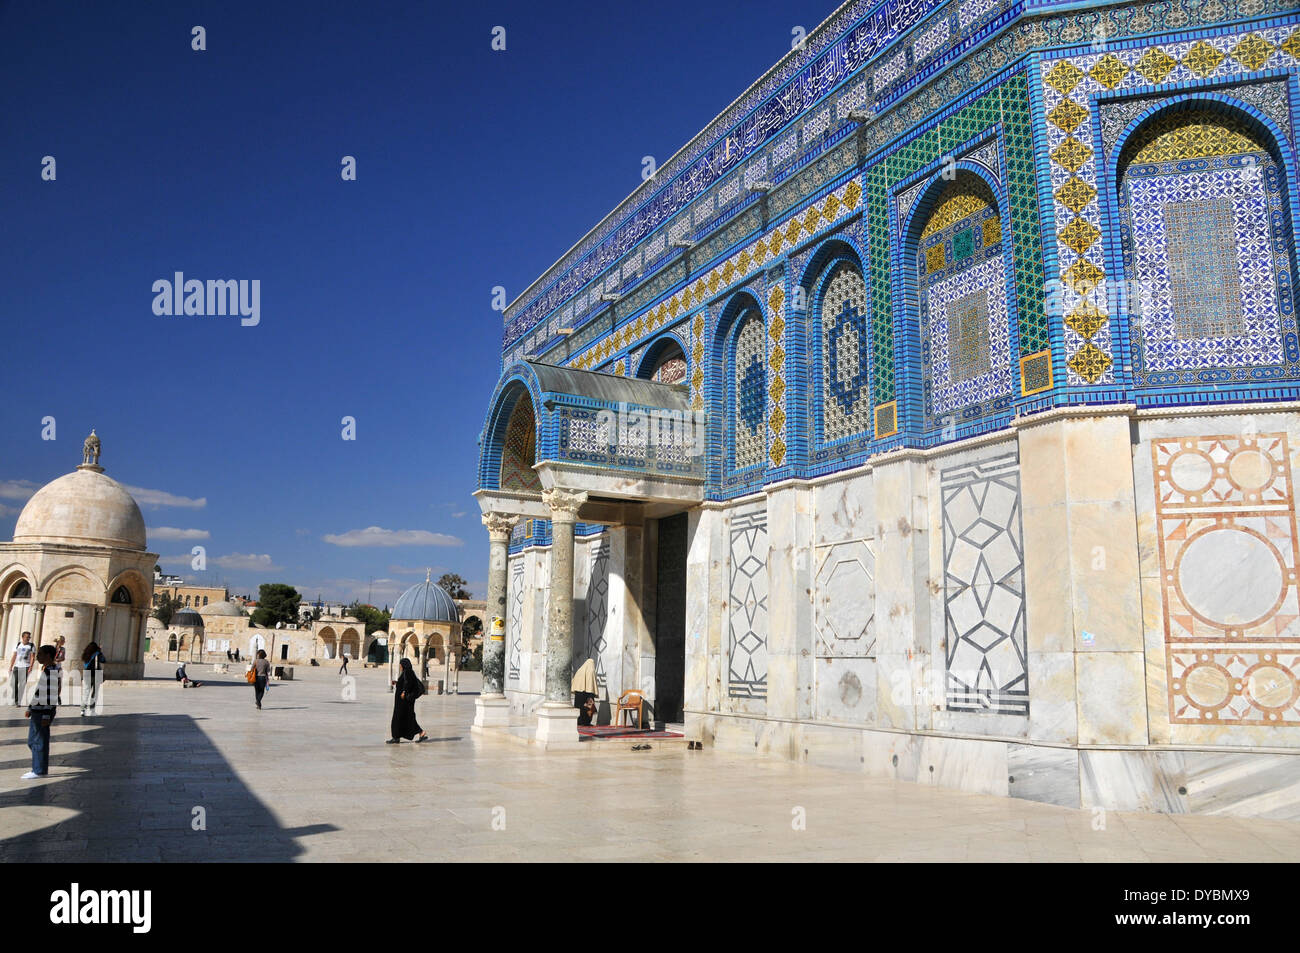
(78, 567)
(425, 622)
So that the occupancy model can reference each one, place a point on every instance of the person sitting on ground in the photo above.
(184, 679)
(584, 691)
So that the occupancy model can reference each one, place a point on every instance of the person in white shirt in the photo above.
(40, 713)
(19, 663)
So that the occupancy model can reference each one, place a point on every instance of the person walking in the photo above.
(406, 690)
(92, 676)
(40, 713)
(343, 670)
(261, 672)
(19, 665)
(60, 656)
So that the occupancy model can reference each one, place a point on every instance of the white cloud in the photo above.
(177, 560)
(17, 489)
(245, 561)
(376, 536)
(171, 532)
(9, 510)
(146, 497)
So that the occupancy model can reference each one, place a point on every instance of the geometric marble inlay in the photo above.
(984, 587)
(747, 607)
(1225, 520)
(844, 606)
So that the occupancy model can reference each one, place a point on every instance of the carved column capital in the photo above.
(564, 504)
(499, 525)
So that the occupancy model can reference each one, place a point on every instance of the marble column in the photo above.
(39, 609)
(491, 708)
(557, 719)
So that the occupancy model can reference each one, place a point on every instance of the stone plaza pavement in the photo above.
(309, 778)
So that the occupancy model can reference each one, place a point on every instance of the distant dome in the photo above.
(223, 608)
(82, 507)
(426, 602)
(187, 616)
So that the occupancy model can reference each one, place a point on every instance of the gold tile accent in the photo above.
(831, 207)
(1075, 193)
(1086, 320)
(1067, 115)
(1036, 364)
(792, 231)
(777, 389)
(1083, 276)
(1253, 51)
(1090, 362)
(934, 259)
(777, 358)
(1063, 77)
(811, 219)
(1291, 45)
(992, 230)
(777, 420)
(1079, 235)
(742, 263)
(887, 419)
(1109, 71)
(852, 194)
(1071, 154)
(775, 241)
(778, 451)
(1155, 65)
(1203, 59)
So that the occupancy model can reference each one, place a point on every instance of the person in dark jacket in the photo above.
(261, 673)
(406, 690)
(92, 677)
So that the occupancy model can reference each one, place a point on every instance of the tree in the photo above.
(168, 606)
(375, 620)
(276, 602)
(454, 585)
(471, 628)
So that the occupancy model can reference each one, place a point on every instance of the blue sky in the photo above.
(475, 168)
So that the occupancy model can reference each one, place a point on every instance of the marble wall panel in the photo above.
(846, 690)
(747, 605)
(1050, 775)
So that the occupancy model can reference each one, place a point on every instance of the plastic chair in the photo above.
(635, 703)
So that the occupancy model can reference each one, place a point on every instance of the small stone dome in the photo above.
(187, 616)
(224, 609)
(427, 602)
(83, 507)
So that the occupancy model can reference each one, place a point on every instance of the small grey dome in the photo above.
(427, 602)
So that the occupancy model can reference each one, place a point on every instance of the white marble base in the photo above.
(491, 711)
(557, 726)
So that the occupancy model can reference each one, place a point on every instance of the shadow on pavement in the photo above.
(131, 787)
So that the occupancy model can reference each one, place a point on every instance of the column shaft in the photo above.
(494, 645)
(559, 622)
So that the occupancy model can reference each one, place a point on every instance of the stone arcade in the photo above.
(962, 515)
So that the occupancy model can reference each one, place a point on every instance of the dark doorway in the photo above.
(670, 620)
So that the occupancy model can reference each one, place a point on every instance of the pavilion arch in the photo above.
(350, 643)
(329, 642)
(435, 648)
(956, 277)
(73, 584)
(665, 348)
(11, 578)
(135, 585)
(840, 401)
(742, 314)
(508, 448)
(410, 646)
(1184, 303)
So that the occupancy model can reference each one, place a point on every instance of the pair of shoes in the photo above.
(259, 705)
(421, 738)
(640, 747)
(393, 741)
(31, 775)
(695, 745)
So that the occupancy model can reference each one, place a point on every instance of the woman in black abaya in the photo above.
(406, 690)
